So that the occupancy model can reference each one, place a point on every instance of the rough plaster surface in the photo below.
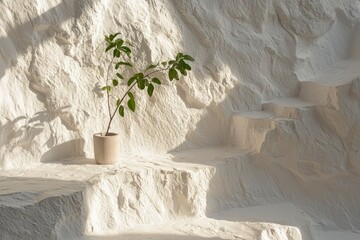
(246, 53)
(217, 193)
(277, 79)
(77, 199)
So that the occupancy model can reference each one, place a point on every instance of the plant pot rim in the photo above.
(102, 135)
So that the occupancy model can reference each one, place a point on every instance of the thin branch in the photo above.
(107, 91)
(155, 71)
(99, 46)
(117, 107)
(125, 94)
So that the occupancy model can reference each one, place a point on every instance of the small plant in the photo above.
(120, 51)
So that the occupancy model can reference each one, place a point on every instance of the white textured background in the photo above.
(246, 51)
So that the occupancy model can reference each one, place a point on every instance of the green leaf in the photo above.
(173, 74)
(156, 80)
(110, 46)
(125, 49)
(115, 82)
(164, 63)
(187, 67)
(131, 95)
(114, 36)
(116, 53)
(119, 44)
(121, 110)
(179, 55)
(141, 75)
(189, 58)
(183, 72)
(141, 83)
(182, 62)
(181, 67)
(151, 67)
(119, 76)
(150, 89)
(118, 102)
(107, 39)
(107, 88)
(122, 63)
(172, 62)
(126, 64)
(131, 104)
(131, 80)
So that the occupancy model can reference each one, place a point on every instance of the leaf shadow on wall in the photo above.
(73, 147)
(32, 34)
(13, 135)
(22, 131)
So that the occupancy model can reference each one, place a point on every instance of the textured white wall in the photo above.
(246, 52)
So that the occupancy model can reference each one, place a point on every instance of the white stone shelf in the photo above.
(76, 196)
(338, 74)
(281, 221)
(290, 107)
(187, 195)
(233, 224)
(334, 83)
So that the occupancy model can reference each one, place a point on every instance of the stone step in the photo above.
(281, 221)
(334, 82)
(40, 208)
(338, 74)
(65, 200)
(291, 107)
(251, 130)
(238, 223)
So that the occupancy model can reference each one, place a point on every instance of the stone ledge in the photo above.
(76, 196)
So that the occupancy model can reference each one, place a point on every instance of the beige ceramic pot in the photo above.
(106, 148)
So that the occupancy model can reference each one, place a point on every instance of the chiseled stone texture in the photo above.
(217, 192)
(246, 52)
(75, 197)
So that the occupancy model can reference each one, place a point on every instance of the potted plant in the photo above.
(106, 144)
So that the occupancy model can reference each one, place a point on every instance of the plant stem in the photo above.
(113, 115)
(123, 97)
(99, 46)
(155, 71)
(107, 91)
